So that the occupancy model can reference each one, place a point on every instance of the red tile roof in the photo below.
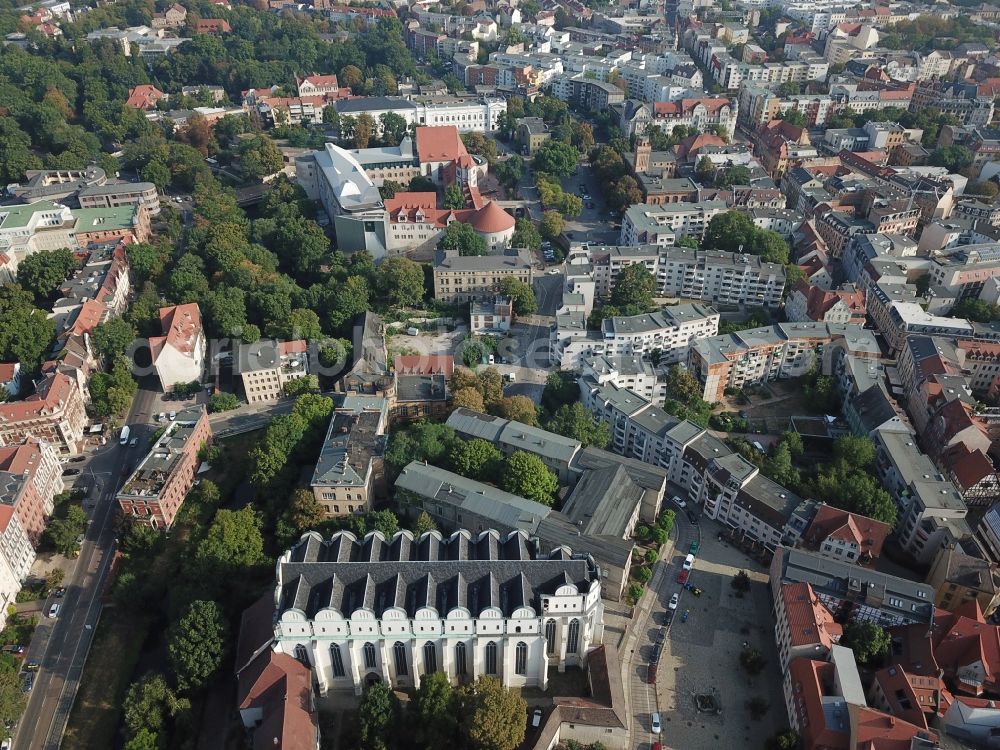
(967, 467)
(8, 370)
(874, 730)
(809, 621)
(54, 392)
(181, 325)
(144, 96)
(491, 219)
(281, 687)
(420, 364)
(829, 522)
(299, 346)
(315, 80)
(686, 106)
(213, 26)
(810, 680)
(967, 649)
(903, 700)
(819, 301)
(439, 143)
(690, 146)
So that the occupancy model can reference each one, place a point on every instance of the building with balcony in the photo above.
(54, 414)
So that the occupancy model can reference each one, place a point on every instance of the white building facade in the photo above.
(466, 605)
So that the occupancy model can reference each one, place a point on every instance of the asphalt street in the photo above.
(640, 646)
(61, 644)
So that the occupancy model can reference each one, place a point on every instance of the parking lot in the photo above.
(701, 656)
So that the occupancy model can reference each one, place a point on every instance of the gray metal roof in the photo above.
(471, 424)
(347, 574)
(603, 502)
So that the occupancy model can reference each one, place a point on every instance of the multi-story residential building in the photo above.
(266, 365)
(32, 478)
(758, 105)
(703, 114)
(179, 354)
(487, 605)
(588, 93)
(720, 278)
(350, 471)
(531, 134)
(493, 316)
(931, 509)
(633, 373)
(54, 413)
(804, 627)
(421, 387)
(810, 302)
(662, 224)
(473, 278)
(121, 194)
(958, 578)
(785, 350)
(154, 492)
(853, 591)
(317, 85)
(841, 535)
(670, 331)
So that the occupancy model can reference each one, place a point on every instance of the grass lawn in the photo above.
(106, 676)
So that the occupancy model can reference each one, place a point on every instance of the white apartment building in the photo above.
(267, 365)
(662, 224)
(671, 331)
(632, 373)
(361, 611)
(466, 114)
(36, 227)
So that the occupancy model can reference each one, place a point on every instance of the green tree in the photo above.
(525, 475)
(401, 281)
(574, 421)
(525, 235)
(522, 295)
(389, 188)
(682, 385)
(463, 238)
(222, 402)
(433, 712)
(468, 398)
(394, 127)
(853, 452)
(976, 309)
(150, 705)
(555, 158)
(560, 388)
(517, 409)
(634, 288)
(779, 467)
(232, 545)
(304, 510)
(422, 441)
(259, 157)
(423, 524)
(113, 337)
(476, 459)
(301, 386)
(552, 225)
(43, 272)
(453, 197)
(196, 644)
(954, 158)
(786, 740)
(12, 698)
(733, 175)
(793, 117)
(376, 715)
(492, 717)
(510, 171)
(752, 660)
(869, 642)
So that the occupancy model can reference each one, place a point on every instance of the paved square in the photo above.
(701, 656)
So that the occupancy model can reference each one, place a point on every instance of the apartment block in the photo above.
(474, 278)
(785, 350)
(55, 414)
(154, 492)
(350, 471)
(267, 365)
(662, 224)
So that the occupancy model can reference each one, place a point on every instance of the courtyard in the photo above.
(700, 658)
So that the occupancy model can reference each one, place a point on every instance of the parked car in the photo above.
(70, 472)
(688, 562)
(654, 725)
(692, 517)
(54, 610)
(135, 442)
(13, 648)
(679, 501)
(31, 666)
(77, 459)
(682, 576)
(651, 674)
(693, 548)
(173, 416)
(674, 601)
(536, 718)
(28, 683)
(60, 592)
(668, 616)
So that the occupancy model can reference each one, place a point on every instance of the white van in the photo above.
(688, 562)
(123, 440)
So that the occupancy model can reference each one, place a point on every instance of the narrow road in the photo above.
(640, 645)
(61, 645)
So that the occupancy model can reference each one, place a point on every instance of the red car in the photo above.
(682, 576)
(651, 674)
(657, 746)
